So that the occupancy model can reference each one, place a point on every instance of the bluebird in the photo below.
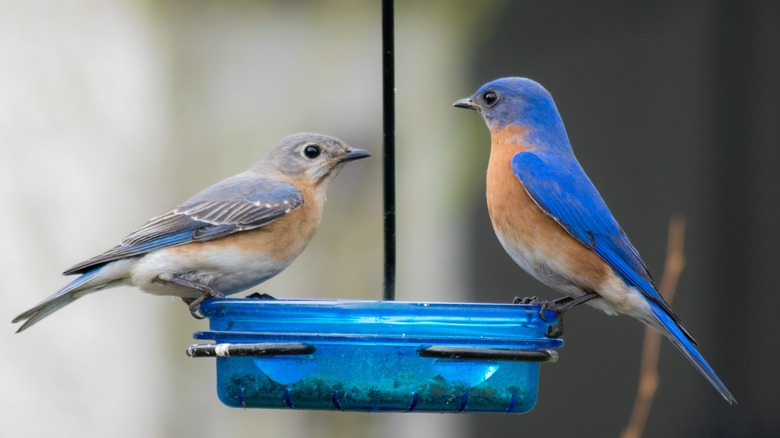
(231, 236)
(552, 221)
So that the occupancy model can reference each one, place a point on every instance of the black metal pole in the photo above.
(388, 118)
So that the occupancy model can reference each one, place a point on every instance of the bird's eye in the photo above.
(490, 98)
(312, 151)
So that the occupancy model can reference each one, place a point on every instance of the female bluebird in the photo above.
(234, 235)
(552, 221)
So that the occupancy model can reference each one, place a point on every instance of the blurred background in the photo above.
(113, 112)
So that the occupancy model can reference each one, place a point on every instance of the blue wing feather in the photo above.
(237, 204)
(567, 195)
(682, 340)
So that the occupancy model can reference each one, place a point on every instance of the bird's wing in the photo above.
(237, 204)
(565, 193)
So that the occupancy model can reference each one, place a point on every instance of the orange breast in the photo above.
(521, 222)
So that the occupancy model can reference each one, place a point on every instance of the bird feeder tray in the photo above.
(377, 355)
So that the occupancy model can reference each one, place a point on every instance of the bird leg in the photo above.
(559, 306)
(565, 304)
(192, 303)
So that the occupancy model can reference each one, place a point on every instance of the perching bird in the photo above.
(555, 225)
(234, 235)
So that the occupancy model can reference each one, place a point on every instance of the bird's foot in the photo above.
(194, 304)
(542, 303)
(528, 300)
(259, 296)
(559, 306)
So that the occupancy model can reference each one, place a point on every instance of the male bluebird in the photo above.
(552, 221)
(232, 236)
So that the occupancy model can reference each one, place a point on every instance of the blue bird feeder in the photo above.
(377, 355)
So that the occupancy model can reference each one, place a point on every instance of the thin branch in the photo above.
(648, 374)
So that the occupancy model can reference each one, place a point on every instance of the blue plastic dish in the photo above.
(377, 355)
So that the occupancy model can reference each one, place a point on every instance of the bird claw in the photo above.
(194, 305)
(259, 296)
(535, 301)
(559, 306)
(195, 312)
(527, 300)
(554, 331)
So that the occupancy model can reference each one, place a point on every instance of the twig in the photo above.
(648, 374)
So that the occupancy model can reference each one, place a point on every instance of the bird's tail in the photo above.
(77, 288)
(683, 342)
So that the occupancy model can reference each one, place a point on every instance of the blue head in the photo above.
(519, 102)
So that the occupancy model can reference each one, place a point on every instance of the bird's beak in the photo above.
(466, 103)
(355, 154)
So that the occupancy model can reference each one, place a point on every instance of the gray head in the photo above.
(313, 157)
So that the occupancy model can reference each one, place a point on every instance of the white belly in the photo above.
(227, 271)
(541, 267)
(617, 296)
